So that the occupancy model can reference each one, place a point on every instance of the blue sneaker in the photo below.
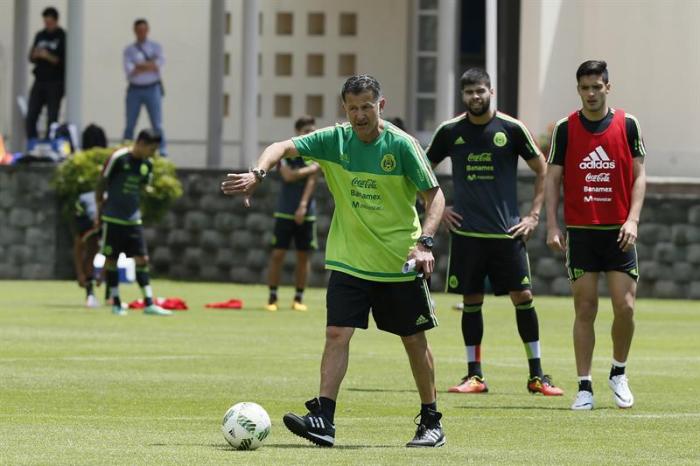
(119, 311)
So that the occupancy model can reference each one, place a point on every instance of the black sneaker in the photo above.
(429, 432)
(314, 426)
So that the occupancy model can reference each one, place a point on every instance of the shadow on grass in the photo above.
(533, 408)
(380, 390)
(335, 447)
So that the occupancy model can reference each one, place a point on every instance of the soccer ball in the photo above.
(246, 426)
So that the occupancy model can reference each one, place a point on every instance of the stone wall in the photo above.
(210, 237)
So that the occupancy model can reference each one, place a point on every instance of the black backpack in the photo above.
(94, 136)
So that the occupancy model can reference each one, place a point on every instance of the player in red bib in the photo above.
(598, 153)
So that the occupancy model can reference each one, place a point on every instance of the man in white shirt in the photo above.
(143, 61)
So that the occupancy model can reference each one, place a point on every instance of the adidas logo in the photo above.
(525, 281)
(421, 320)
(459, 141)
(597, 159)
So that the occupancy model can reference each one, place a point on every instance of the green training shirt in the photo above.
(374, 186)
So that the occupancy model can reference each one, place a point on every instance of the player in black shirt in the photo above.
(487, 233)
(124, 175)
(295, 219)
(49, 56)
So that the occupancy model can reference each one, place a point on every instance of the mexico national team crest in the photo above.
(143, 169)
(388, 163)
(500, 139)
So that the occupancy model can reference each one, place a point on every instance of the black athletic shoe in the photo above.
(313, 426)
(429, 432)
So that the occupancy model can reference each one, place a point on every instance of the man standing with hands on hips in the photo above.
(374, 171)
(598, 153)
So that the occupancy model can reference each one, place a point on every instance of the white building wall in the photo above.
(181, 26)
(651, 50)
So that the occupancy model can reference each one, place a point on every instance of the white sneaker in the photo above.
(92, 302)
(583, 401)
(621, 391)
(458, 306)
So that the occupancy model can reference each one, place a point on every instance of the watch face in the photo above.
(427, 241)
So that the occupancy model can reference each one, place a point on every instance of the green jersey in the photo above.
(374, 186)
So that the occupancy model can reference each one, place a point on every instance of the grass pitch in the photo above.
(81, 386)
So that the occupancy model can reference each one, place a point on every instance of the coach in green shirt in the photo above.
(373, 170)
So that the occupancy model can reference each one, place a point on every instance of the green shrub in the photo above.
(79, 174)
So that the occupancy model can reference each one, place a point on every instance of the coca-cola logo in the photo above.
(597, 177)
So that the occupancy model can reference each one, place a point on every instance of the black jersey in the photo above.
(560, 135)
(291, 193)
(55, 43)
(484, 170)
(124, 175)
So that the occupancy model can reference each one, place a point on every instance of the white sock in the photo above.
(585, 377)
(618, 363)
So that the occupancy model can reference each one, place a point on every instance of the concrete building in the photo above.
(416, 48)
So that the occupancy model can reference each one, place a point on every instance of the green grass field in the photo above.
(80, 386)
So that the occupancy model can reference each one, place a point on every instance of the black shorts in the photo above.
(402, 308)
(118, 238)
(286, 230)
(86, 227)
(503, 260)
(593, 250)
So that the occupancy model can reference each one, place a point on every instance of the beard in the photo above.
(477, 110)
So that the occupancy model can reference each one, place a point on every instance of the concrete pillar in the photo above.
(492, 44)
(20, 52)
(74, 64)
(448, 14)
(216, 82)
(249, 75)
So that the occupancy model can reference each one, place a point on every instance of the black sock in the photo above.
(328, 408)
(299, 295)
(144, 281)
(616, 370)
(535, 366)
(585, 385)
(473, 332)
(428, 406)
(474, 368)
(89, 288)
(273, 295)
(113, 285)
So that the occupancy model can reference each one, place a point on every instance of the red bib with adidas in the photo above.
(598, 174)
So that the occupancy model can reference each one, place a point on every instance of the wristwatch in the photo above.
(426, 241)
(259, 173)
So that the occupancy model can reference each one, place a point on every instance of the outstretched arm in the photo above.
(245, 183)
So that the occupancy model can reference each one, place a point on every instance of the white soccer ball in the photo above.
(246, 426)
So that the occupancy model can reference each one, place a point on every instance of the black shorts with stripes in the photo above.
(401, 308)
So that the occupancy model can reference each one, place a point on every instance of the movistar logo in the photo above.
(459, 141)
(597, 159)
(421, 320)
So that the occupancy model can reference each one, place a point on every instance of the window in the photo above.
(314, 64)
(425, 115)
(260, 64)
(260, 24)
(317, 24)
(314, 105)
(227, 24)
(283, 64)
(285, 24)
(348, 24)
(259, 105)
(227, 64)
(341, 110)
(427, 33)
(427, 71)
(283, 105)
(346, 64)
(226, 105)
